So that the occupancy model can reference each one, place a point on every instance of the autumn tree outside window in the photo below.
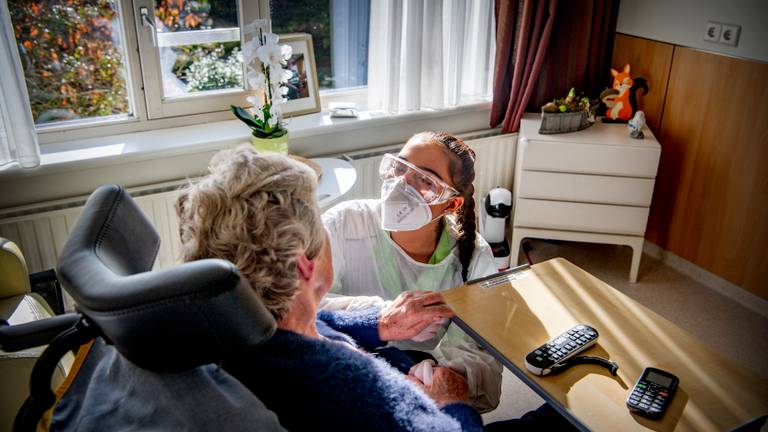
(81, 68)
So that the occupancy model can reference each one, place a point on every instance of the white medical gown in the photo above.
(368, 263)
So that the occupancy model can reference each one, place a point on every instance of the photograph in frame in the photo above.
(303, 96)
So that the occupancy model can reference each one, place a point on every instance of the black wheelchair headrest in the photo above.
(166, 320)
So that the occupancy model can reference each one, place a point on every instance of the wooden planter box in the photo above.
(554, 123)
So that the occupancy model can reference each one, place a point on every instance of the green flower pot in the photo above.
(273, 145)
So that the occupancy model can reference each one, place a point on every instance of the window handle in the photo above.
(146, 21)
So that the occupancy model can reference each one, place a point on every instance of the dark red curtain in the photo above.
(523, 30)
(572, 49)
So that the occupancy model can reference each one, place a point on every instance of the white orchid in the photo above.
(270, 55)
(265, 79)
(259, 114)
(256, 80)
(286, 51)
(250, 47)
(256, 101)
(255, 26)
(275, 111)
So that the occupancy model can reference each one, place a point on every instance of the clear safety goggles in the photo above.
(431, 188)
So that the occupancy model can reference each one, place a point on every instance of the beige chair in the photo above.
(18, 305)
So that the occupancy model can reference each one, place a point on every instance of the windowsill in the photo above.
(116, 149)
(75, 168)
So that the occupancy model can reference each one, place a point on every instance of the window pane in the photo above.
(339, 30)
(73, 58)
(199, 43)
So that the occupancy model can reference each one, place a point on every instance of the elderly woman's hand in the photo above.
(412, 313)
(446, 386)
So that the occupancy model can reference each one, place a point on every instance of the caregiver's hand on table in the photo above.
(412, 314)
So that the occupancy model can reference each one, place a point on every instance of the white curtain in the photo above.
(18, 139)
(429, 53)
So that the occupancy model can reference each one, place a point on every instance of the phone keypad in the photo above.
(648, 397)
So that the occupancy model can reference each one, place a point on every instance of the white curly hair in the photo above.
(258, 211)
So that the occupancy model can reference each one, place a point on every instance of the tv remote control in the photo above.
(577, 339)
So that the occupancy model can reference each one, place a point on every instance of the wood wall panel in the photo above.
(650, 60)
(710, 204)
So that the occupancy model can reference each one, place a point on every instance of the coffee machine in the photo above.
(495, 212)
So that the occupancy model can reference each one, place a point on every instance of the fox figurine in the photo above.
(621, 100)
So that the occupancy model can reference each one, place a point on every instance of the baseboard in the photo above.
(708, 279)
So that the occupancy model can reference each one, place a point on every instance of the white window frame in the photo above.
(146, 113)
(159, 106)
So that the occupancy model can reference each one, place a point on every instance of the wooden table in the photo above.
(532, 306)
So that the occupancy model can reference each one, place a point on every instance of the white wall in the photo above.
(683, 22)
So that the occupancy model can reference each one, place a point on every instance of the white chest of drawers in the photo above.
(593, 186)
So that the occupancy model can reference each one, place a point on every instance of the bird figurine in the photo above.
(636, 124)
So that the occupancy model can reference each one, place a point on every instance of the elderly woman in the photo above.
(260, 212)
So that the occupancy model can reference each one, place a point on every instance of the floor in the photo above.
(723, 324)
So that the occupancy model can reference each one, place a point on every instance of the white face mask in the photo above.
(402, 207)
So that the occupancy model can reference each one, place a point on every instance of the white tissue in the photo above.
(423, 371)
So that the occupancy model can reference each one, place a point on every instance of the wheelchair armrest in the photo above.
(46, 284)
(35, 333)
(42, 277)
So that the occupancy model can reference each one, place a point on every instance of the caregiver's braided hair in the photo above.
(463, 175)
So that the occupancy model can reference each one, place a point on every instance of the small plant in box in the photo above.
(568, 114)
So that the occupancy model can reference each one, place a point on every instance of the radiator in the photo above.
(41, 230)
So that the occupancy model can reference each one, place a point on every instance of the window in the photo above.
(339, 30)
(73, 57)
(194, 49)
(80, 64)
(100, 67)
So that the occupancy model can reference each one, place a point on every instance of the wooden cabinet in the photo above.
(593, 185)
(709, 205)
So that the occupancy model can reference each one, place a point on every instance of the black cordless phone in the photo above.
(652, 393)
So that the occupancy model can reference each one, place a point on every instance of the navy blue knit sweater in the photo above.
(327, 384)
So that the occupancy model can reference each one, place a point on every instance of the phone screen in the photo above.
(659, 379)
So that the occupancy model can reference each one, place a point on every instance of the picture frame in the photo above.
(303, 94)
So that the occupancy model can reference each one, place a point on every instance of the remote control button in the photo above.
(580, 327)
(560, 340)
(655, 405)
(539, 358)
(643, 406)
(538, 352)
(663, 393)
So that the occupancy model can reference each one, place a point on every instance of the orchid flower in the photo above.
(265, 80)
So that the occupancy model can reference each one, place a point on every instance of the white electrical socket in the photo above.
(712, 33)
(729, 35)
